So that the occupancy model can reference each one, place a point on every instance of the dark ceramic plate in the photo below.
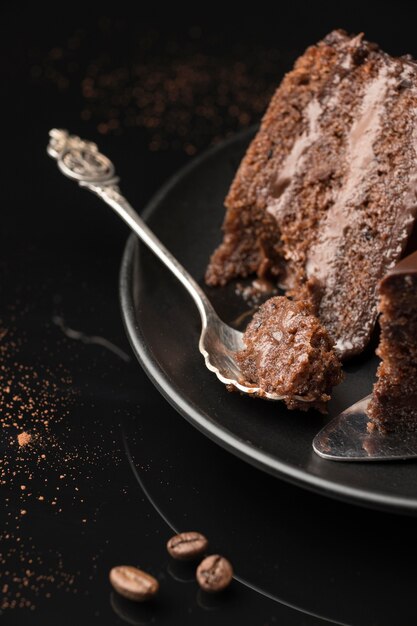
(163, 326)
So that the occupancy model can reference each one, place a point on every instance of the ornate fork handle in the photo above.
(81, 161)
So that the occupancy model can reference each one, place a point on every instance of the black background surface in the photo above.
(60, 252)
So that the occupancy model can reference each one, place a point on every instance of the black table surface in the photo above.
(111, 468)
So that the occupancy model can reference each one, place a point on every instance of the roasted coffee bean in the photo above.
(187, 546)
(214, 573)
(133, 583)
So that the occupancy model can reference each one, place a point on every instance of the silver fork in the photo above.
(81, 161)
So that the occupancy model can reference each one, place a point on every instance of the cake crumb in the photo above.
(289, 353)
(23, 439)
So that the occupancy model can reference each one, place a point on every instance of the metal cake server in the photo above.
(346, 438)
(81, 161)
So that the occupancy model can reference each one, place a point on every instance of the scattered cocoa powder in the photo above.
(184, 92)
(40, 467)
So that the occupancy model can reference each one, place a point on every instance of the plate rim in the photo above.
(217, 433)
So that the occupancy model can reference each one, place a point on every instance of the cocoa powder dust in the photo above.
(182, 90)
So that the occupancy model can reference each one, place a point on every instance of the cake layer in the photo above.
(394, 400)
(325, 198)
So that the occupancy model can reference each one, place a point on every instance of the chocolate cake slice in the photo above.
(289, 353)
(325, 198)
(393, 405)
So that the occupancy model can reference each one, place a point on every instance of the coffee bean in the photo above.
(187, 546)
(133, 583)
(214, 573)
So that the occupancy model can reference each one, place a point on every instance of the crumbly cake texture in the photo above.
(325, 198)
(289, 353)
(393, 405)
